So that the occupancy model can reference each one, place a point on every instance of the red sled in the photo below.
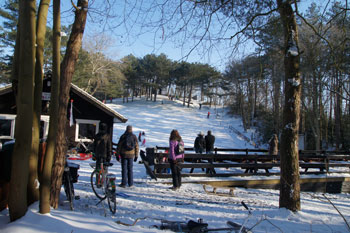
(81, 156)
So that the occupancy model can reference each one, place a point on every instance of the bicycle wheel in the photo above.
(111, 198)
(98, 189)
(68, 188)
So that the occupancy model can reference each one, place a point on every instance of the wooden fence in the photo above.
(244, 162)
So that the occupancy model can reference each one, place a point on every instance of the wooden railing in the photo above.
(249, 162)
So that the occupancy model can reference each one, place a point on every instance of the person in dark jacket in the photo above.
(128, 149)
(209, 147)
(209, 142)
(199, 147)
(175, 159)
(102, 145)
(199, 143)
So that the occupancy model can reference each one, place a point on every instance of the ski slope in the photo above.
(153, 201)
(157, 120)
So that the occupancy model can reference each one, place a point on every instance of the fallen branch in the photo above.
(347, 224)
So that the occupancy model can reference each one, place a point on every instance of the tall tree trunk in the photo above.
(67, 70)
(276, 96)
(33, 184)
(316, 112)
(24, 119)
(338, 112)
(184, 99)
(133, 94)
(330, 118)
(189, 96)
(155, 94)
(202, 93)
(290, 185)
(44, 205)
(255, 97)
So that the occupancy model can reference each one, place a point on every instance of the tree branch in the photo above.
(251, 21)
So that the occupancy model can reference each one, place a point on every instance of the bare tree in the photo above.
(67, 70)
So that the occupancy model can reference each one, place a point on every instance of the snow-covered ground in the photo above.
(153, 200)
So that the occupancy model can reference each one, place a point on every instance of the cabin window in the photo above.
(7, 126)
(86, 130)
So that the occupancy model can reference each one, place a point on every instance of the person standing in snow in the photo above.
(102, 146)
(208, 115)
(209, 147)
(209, 142)
(175, 158)
(199, 147)
(140, 136)
(199, 143)
(128, 149)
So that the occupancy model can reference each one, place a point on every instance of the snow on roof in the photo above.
(5, 89)
(99, 104)
(117, 116)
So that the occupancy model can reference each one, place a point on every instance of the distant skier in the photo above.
(139, 137)
(200, 106)
(208, 115)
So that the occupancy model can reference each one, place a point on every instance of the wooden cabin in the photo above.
(88, 113)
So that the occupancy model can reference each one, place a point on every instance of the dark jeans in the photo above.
(175, 173)
(127, 173)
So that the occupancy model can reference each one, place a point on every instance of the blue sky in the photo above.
(143, 44)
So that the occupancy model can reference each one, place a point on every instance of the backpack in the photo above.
(129, 143)
(180, 148)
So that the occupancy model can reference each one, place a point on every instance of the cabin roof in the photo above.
(74, 88)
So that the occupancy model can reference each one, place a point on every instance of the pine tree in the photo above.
(8, 31)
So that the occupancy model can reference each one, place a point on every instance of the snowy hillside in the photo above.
(157, 120)
(153, 201)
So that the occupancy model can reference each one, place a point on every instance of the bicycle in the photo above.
(103, 185)
(70, 176)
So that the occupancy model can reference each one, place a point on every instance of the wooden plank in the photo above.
(168, 175)
(323, 184)
(256, 156)
(219, 165)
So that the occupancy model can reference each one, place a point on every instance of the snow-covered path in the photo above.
(153, 199)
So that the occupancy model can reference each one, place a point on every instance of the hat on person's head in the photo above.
(201, 133)
(209, 132)
(129, 128)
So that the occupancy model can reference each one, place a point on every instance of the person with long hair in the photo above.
(175, 158)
